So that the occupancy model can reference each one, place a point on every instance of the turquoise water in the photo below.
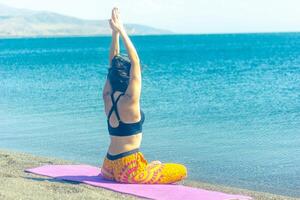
(227, 106)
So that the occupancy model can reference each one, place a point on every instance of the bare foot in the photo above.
(155, 162)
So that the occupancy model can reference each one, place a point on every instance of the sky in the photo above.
(185, 16)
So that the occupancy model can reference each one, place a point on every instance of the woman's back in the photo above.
(124, 121)
(129, 110)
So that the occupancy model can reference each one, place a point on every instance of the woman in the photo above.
(121, 94)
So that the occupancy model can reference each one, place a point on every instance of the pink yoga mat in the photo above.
(92, 176)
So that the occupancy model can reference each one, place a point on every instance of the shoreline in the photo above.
(17, 184)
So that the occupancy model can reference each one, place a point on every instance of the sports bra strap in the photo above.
(114, 106)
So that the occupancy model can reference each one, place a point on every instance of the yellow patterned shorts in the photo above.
(132, 167)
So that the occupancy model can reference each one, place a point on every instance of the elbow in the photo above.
(116, 52)
(112, 55)
(135, 79)
(135, 60)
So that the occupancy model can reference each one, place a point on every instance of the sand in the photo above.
(16, 184)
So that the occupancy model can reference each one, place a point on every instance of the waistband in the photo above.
(121, 155)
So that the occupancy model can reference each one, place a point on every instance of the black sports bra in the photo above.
(124, 129)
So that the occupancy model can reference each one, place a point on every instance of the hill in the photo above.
(26, 23)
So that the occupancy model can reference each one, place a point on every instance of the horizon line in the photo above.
(145, 35)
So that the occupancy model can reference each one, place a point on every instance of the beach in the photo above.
(17, 184)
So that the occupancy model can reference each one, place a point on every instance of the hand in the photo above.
(115, 22)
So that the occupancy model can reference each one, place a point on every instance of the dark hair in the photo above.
(119, 73)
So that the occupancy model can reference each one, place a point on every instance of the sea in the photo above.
(227, 106)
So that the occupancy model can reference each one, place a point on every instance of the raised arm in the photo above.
(135, 71)
(114, 50)
(115, 46)
(135, 81)
(134, 87)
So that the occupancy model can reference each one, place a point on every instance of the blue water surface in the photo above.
(226, 106)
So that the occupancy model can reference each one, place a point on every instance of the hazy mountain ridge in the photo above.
(26, 23)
